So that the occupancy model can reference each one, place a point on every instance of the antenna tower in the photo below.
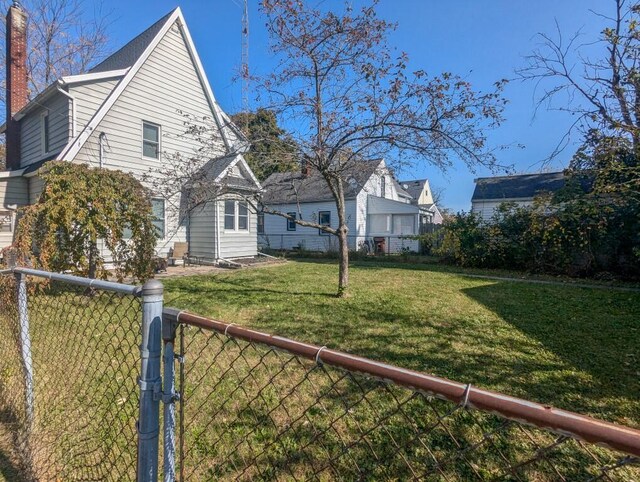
(245, 58)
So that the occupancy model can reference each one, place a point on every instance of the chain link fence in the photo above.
(81, 391)
(68, 380)
(325, 243)
(257, 407)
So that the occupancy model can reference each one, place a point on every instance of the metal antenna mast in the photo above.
(245, 58)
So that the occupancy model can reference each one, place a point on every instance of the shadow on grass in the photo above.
(10, 468)
(594, 335)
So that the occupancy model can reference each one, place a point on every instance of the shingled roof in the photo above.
(294, 187)
(127, 55)
(522, 186)
(414, 187)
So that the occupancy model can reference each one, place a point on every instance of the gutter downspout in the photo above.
(217, 230)
(101, 146)
(73, 108)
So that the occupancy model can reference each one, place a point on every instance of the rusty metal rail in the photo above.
(562, 422)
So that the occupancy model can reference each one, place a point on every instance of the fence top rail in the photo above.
(80, 281)
(563, 422)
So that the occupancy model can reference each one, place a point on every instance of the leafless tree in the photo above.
(65, 37)
(351, 97)
(601, 93)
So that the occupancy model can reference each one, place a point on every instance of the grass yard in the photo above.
(574, 348)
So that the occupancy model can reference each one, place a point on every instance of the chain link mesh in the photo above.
(250, 412)
(85, 365)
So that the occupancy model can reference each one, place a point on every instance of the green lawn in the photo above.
(574, 348)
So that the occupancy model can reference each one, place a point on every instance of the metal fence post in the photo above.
(25, 346)
(169, 323)
(150, 382)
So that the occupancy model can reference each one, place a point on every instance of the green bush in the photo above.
(584, 236)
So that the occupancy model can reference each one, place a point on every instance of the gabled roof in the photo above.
(132, 56)
(414, 187)
(294, 187)
(401, 191)
(218, 171)
(522, 186)
(126, 56)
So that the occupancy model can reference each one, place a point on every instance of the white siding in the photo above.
(202, 234)
(166, 84)
(89, 96)
(13, 194)
(277, 237)
(31, 146)
(487, 208)
(236, 244)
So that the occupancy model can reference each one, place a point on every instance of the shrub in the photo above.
(583, 236)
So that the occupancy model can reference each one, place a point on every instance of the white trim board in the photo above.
(72, 149)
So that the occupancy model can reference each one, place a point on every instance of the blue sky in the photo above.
(483, 40)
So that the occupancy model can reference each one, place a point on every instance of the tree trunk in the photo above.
(343, 273)
(343, 230)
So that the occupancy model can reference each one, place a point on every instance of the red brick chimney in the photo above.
(16, 95)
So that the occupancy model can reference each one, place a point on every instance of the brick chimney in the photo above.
(16, 94)
(305, 167)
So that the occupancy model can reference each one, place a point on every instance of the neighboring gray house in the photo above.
(421, 195)
(127, 113)
(377, 209)
(490, 192)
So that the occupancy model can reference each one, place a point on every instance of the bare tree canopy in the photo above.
(351, 97)
(603, 94)
(65, 37)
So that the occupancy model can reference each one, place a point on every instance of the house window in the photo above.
(243, 216)
(324, 219)
(380, 223)
(260, 221)
(291, 223)
(150, 140)
(403, 224)
(45, 133)
(230, 215)
(383, 186)
(5, 222)
(236, 215)
(158, 216)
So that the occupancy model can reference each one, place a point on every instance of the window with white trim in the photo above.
(380, 223)
(230, 215)
(383, 186)
(236, 215)
(158, 216)
(243, 216)
(150, 140)
(291, 223)
(324, 219)
(404, 224)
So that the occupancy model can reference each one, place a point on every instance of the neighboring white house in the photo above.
(421, 195)
(379, 215)
(490, 192)
(128, 113)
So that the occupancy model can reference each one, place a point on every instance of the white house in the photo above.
(380, 215)
(490, 192)
(128, 113)
(422, 196)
